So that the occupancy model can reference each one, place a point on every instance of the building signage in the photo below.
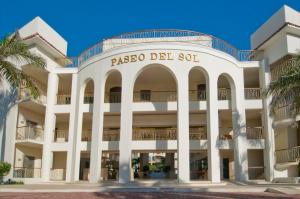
(154, 56)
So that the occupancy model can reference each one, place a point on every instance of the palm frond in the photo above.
(14, 49)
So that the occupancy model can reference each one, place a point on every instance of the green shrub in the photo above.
(4, 168)
(152, 167)
(13, 182)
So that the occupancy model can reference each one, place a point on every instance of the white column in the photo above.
(71, 128)
(269, 151)
(213, 151)
(97, 132)
(76, 138)
(239, 129)
(183, 140)
(9, 135)
(49, 124)
(126, 130)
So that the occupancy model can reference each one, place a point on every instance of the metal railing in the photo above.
(63, 99)
(225, 133)
(88, 98)
(167, 35)
(197, 95)
(252, 93)
(288, 155)
(61, 136)
(86, 136)
(256, 172)
(22, 172)
(112, 97)
(198, 133)
(111, 135)
(155, 96)
(154, 134)
(254, 132)
(281, 68)
(283, 112)
(57, 174)
(30, 133)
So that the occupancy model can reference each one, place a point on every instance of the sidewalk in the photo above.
(226, 187)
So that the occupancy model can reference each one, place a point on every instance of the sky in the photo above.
(84, 23)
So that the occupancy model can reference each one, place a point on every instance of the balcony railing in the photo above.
(256, 173)
(154, 134)
(86, 136)
(282, 112)
(198, 133)
(30, 133)
(252, 93)
(279, 69)
(25, 94)
(61, 136)
(64, 99)
(111, 135)
(57, 174)
(112, 97)
(22, 172)
(167, 35)
(155, 96)
(254, 132)
(288, 155)
(195, 95)
(225, 133)
(88, 98)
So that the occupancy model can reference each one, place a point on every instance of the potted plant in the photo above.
(4, 170)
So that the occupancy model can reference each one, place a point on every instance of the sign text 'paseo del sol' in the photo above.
(154, 56)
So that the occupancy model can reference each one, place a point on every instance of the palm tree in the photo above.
(286, 89)
(14, 50)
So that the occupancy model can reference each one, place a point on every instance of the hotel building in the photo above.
(157, 104)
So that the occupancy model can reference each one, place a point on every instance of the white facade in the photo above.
(183, 97)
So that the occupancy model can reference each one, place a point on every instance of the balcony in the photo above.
(226, 133)
(196, 133)
(86, 136)
(154, 134)
(288, 155)
(61, 136)
(63, 99)
(22, 172)
(155, 96)
(111, 135)
(278, 69)
(25, 94)
(254, 133)
(88, 98)
(57, 174)
(283, 112)
(252, 93)
(30, 133)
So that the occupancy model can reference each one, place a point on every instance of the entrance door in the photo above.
(225, 168)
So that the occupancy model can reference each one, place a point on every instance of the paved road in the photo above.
(136, 195)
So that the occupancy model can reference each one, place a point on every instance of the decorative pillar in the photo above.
(183, 139)
(75, 140)
(213, 130)
(269, 151)
(49, 124)
(126, 129)
(97, 131)
(72, 122)
(239, 130)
